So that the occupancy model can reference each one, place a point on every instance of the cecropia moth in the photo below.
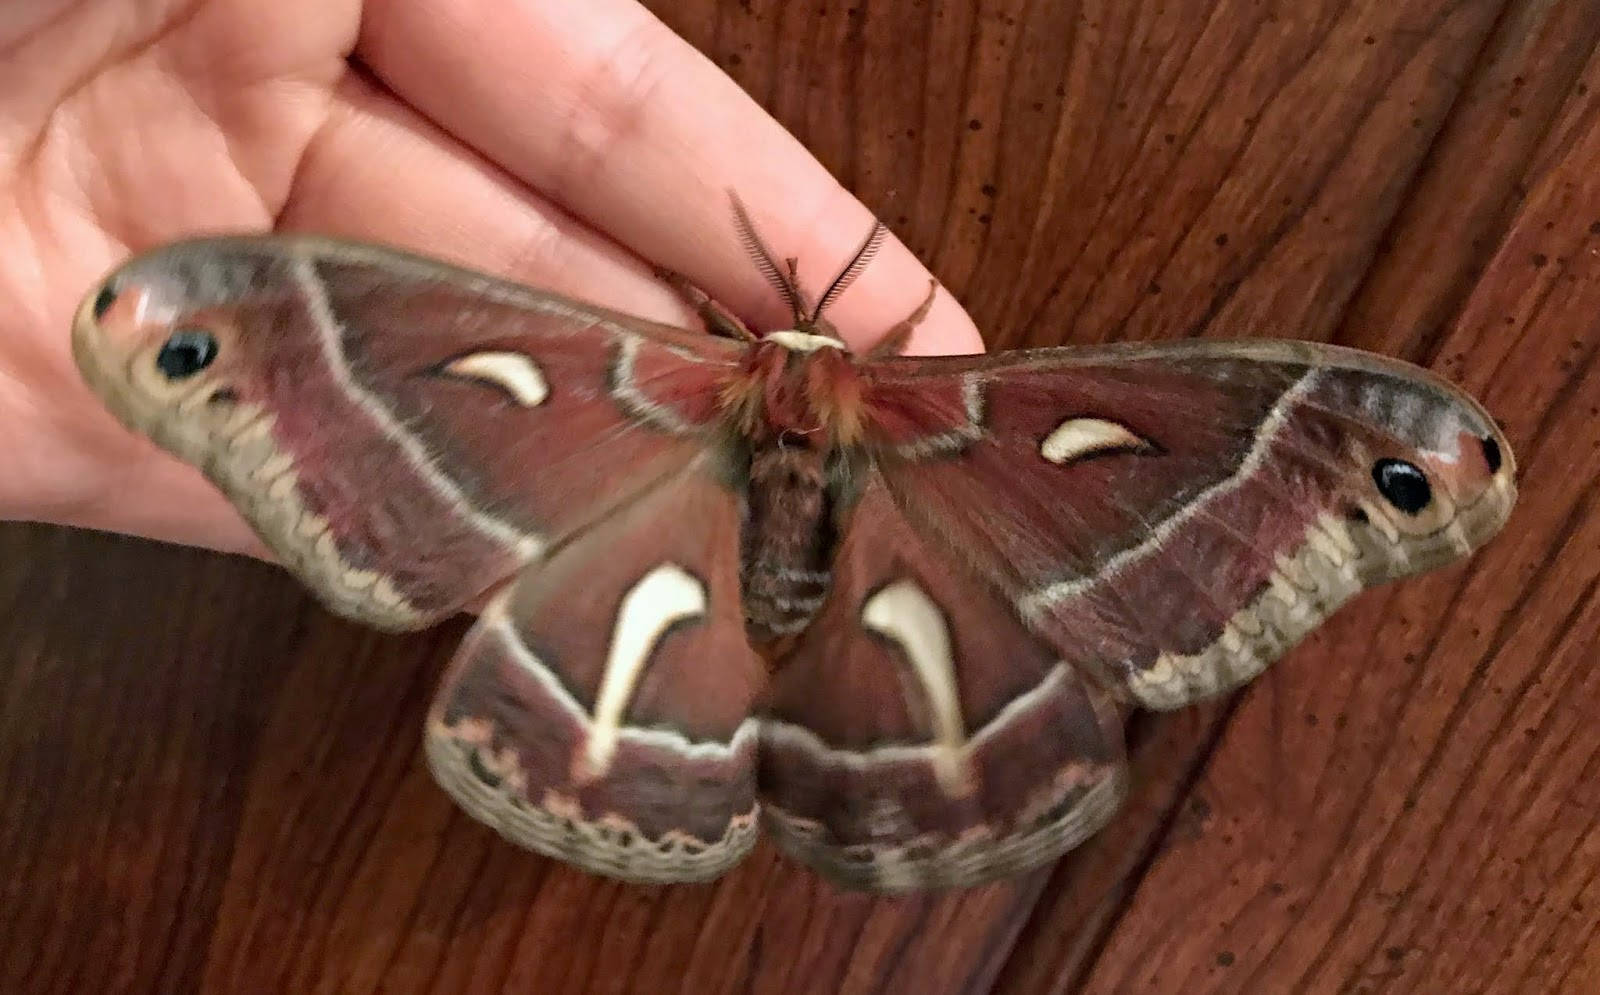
(890, 608)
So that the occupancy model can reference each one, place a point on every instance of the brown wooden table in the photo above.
(206, 783)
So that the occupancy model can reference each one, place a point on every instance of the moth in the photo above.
(891, 609)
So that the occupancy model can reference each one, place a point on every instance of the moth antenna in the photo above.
(858, 262)
(759, 254)
(803, 302)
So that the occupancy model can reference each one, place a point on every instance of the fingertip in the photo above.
(889, 291)
(622, 124)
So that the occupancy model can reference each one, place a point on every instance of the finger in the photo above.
(377, 171)
(137, 490)
(381, 172)
(607, 113)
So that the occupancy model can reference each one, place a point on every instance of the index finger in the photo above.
(603, 110)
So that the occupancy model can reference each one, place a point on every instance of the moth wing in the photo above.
(1041, 530)
(403, 434)
(1173, 518)
(599, 711)
(918, 734)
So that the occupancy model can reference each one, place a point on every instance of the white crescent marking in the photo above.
(903, 612)
(1034, 606)
(664, 596)
(525, 545)
(518, 375)
(1079, 437)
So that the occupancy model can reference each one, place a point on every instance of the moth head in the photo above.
(166, 339)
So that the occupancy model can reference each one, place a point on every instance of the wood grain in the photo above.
(210, 785)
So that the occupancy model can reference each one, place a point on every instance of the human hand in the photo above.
(566, 144)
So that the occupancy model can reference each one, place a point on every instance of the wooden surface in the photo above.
(206, 783)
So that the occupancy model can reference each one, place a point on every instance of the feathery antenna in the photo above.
(757, 250)
(858, 262)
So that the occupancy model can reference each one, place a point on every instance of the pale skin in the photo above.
(574, 145)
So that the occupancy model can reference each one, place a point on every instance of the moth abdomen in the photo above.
(787, 541)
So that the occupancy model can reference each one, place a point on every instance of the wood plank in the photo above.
(131, 685)
(1406, 805)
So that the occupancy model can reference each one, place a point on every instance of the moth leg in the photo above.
(894, 340)
(719, 320)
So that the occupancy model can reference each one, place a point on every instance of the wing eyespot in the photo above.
(103, 300)
(1492, 455)
(1402, 484)
(186, 352)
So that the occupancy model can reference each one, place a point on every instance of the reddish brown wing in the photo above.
(599, 711)
(1172, 518)
(403, 434)
(406, 435)
(919, 735)
(1157, 522)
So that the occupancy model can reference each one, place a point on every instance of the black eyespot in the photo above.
(1491, 454)
(185, 353)
(1402, 484)
(103, 301)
